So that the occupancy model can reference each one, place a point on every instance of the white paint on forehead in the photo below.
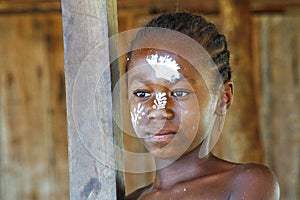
(164, 66)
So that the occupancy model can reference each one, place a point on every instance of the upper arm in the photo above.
(255, 182)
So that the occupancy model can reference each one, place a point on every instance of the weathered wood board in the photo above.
(278, 72)
(89, 100)
(33, 132)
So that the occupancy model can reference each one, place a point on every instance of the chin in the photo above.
(167, 153)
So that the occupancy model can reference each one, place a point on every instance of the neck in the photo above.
(184, 168)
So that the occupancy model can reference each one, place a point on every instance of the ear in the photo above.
(225, 99)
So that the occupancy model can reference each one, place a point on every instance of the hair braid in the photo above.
(202, 31)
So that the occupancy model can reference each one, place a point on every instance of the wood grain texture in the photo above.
(89, 103)
(29, 7)
(279, 108)
(117, 105)
(241, 140)
(207, 7)
(33, 135)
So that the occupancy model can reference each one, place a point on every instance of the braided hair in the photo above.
(199, 29)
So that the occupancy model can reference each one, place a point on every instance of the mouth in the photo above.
(161, 137)
(164, 137)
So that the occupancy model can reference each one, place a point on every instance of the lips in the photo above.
(159, 133)
(161, 136)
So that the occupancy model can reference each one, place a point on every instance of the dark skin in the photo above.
(210, 178)
(188, 176)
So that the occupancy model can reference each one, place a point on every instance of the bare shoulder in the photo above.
(254, 181)
(137, 193)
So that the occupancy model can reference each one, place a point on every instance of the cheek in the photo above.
(136, 114)
(189, 114)
(196, 114)
(190, 120)
(207, 113)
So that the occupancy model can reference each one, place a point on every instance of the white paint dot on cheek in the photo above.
(164, 67)
(193, 127)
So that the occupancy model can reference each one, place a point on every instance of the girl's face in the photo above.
(169, 103)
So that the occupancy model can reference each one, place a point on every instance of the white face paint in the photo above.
(137, 114)
(164, 67)
(160, 101)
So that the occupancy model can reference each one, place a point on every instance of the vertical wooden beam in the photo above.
(117, 106)
(241, 140)
(89, 103)
(59, 151)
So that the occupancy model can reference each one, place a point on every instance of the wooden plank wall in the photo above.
(33, 151)
(277, 68)
(33, 135)
(240, 140)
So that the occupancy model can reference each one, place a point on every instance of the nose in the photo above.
(160, 114)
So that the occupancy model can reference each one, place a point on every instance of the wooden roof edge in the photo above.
(206, 8)
(25, 7)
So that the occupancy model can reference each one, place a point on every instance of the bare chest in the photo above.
(190, 191)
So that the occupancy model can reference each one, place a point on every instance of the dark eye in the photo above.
(142, 94)
(180, 93)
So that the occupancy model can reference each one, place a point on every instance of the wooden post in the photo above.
(241, 139)
(89, 100)
(117, 106)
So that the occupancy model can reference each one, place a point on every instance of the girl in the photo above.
(179, 89)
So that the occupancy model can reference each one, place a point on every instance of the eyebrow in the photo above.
(139, 79)
(143, 80)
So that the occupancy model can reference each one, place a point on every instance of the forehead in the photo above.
(162, 65)
(196, 63)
